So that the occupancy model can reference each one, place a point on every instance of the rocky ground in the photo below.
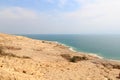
(23, 58)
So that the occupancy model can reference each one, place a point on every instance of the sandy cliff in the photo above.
(23, 58)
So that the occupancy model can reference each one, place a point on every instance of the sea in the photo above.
(106, 46)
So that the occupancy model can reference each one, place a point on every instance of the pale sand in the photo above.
(27, 59)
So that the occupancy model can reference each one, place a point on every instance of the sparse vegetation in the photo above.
(78, 58)
(12, 48)
(112, 65)
(74, 58)
(118, 77)
(43, 41)
(37, 49)
(2, 53)
(1, 50)
(26, 57)
(24, 71)
(66, 56)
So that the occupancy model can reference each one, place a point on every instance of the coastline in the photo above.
(87, 53)
(106, 52)
(73, 50)
(77, 51)
(23, 58)
(81, 52)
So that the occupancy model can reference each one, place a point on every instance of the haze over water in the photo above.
(107, 46)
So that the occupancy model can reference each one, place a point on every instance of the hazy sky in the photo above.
(60, 16)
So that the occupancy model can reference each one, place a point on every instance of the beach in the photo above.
(22, 58)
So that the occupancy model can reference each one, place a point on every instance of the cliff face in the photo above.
(22, 58)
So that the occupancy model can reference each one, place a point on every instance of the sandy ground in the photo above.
(23, 58)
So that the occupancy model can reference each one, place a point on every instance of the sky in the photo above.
(60, 16)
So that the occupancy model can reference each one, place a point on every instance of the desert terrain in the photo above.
(22, 58)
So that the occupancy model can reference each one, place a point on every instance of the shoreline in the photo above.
(23, 58)
(75, 50)
(103, 55)
(87, 53)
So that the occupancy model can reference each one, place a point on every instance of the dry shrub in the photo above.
(37, 49)
(26, 57)
(74, 58)
(2, 53)
(1, 50)
(43, 41)
(12, 48)
(66, 56)
(78, 58)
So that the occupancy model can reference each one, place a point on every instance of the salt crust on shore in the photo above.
(28, 59)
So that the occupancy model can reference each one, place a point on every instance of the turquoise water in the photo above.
(107, 46)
